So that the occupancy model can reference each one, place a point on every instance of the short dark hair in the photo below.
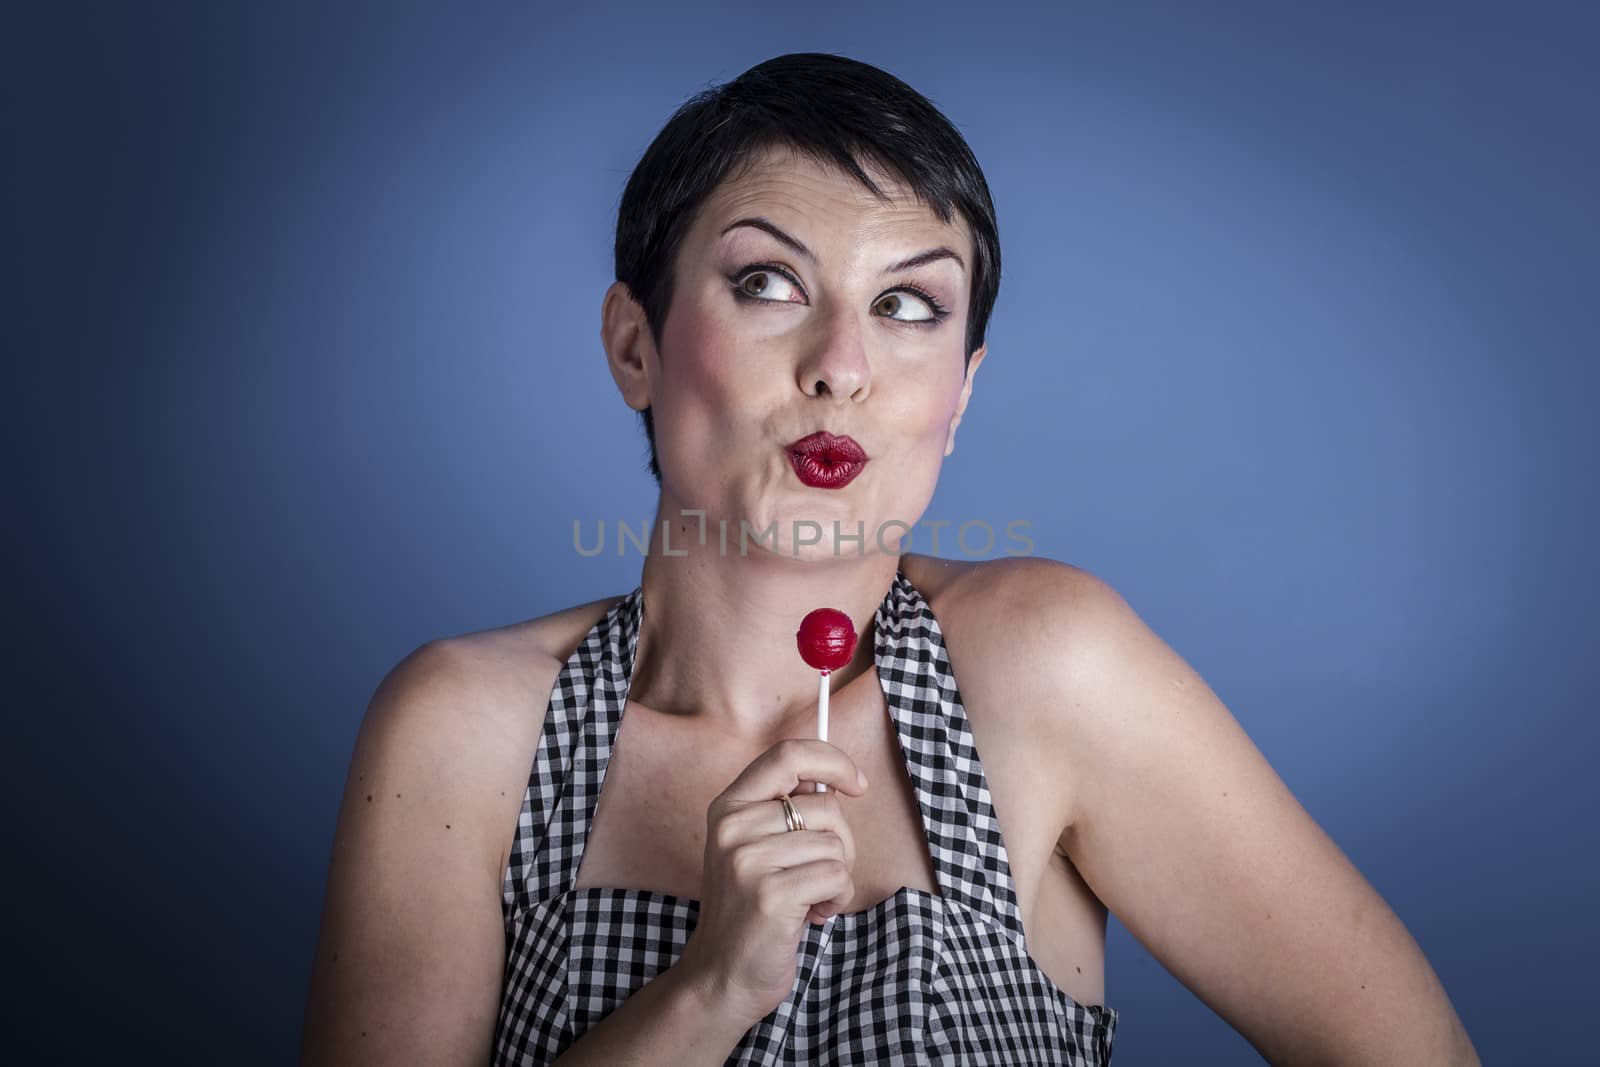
(835, 110)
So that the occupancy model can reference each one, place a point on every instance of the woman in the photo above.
(806, 262)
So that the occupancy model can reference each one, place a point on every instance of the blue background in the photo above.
(1295, 347)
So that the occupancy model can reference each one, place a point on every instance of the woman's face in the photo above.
(765, 344)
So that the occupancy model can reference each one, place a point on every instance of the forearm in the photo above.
(669, 1020)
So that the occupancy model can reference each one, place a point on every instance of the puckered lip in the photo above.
(825, 447)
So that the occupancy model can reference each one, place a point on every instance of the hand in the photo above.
(763, 882)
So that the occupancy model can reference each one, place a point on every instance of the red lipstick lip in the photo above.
(824, 461)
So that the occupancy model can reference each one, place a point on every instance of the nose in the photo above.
(835, 363)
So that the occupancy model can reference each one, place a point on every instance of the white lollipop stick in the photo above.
(822, 714)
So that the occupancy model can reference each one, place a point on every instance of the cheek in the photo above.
(935, 407)
(698, 358)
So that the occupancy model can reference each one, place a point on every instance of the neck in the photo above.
(717, 641)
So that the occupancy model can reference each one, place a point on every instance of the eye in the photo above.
(923, 307)
(767, 284)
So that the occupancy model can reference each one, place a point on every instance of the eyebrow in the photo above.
(767, 225)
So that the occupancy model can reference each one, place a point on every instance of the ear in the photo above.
(625, 333)
(966, 394)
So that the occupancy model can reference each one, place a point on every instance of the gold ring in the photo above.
(790, 815)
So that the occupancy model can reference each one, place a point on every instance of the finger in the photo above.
(759, 821)
(781, 768)
(821, 884)
(821, 811)
(777, 852)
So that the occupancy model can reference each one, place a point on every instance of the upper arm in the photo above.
(1184, 831)
(410, 959)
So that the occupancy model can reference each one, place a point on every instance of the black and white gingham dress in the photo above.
(920, 978)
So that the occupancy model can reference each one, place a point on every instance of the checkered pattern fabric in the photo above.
(920, 978)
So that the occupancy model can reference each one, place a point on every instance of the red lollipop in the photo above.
(826, 639)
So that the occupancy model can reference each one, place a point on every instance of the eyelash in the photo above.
(940, 312)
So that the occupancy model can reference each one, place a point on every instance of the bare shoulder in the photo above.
(1010, 599)
(1180, 826)
(1068, 625)
(555, 635)
(484, 695)
(493, 682)
(492, 673)
(1041, 612)
(411, 948)
(1049, 617)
